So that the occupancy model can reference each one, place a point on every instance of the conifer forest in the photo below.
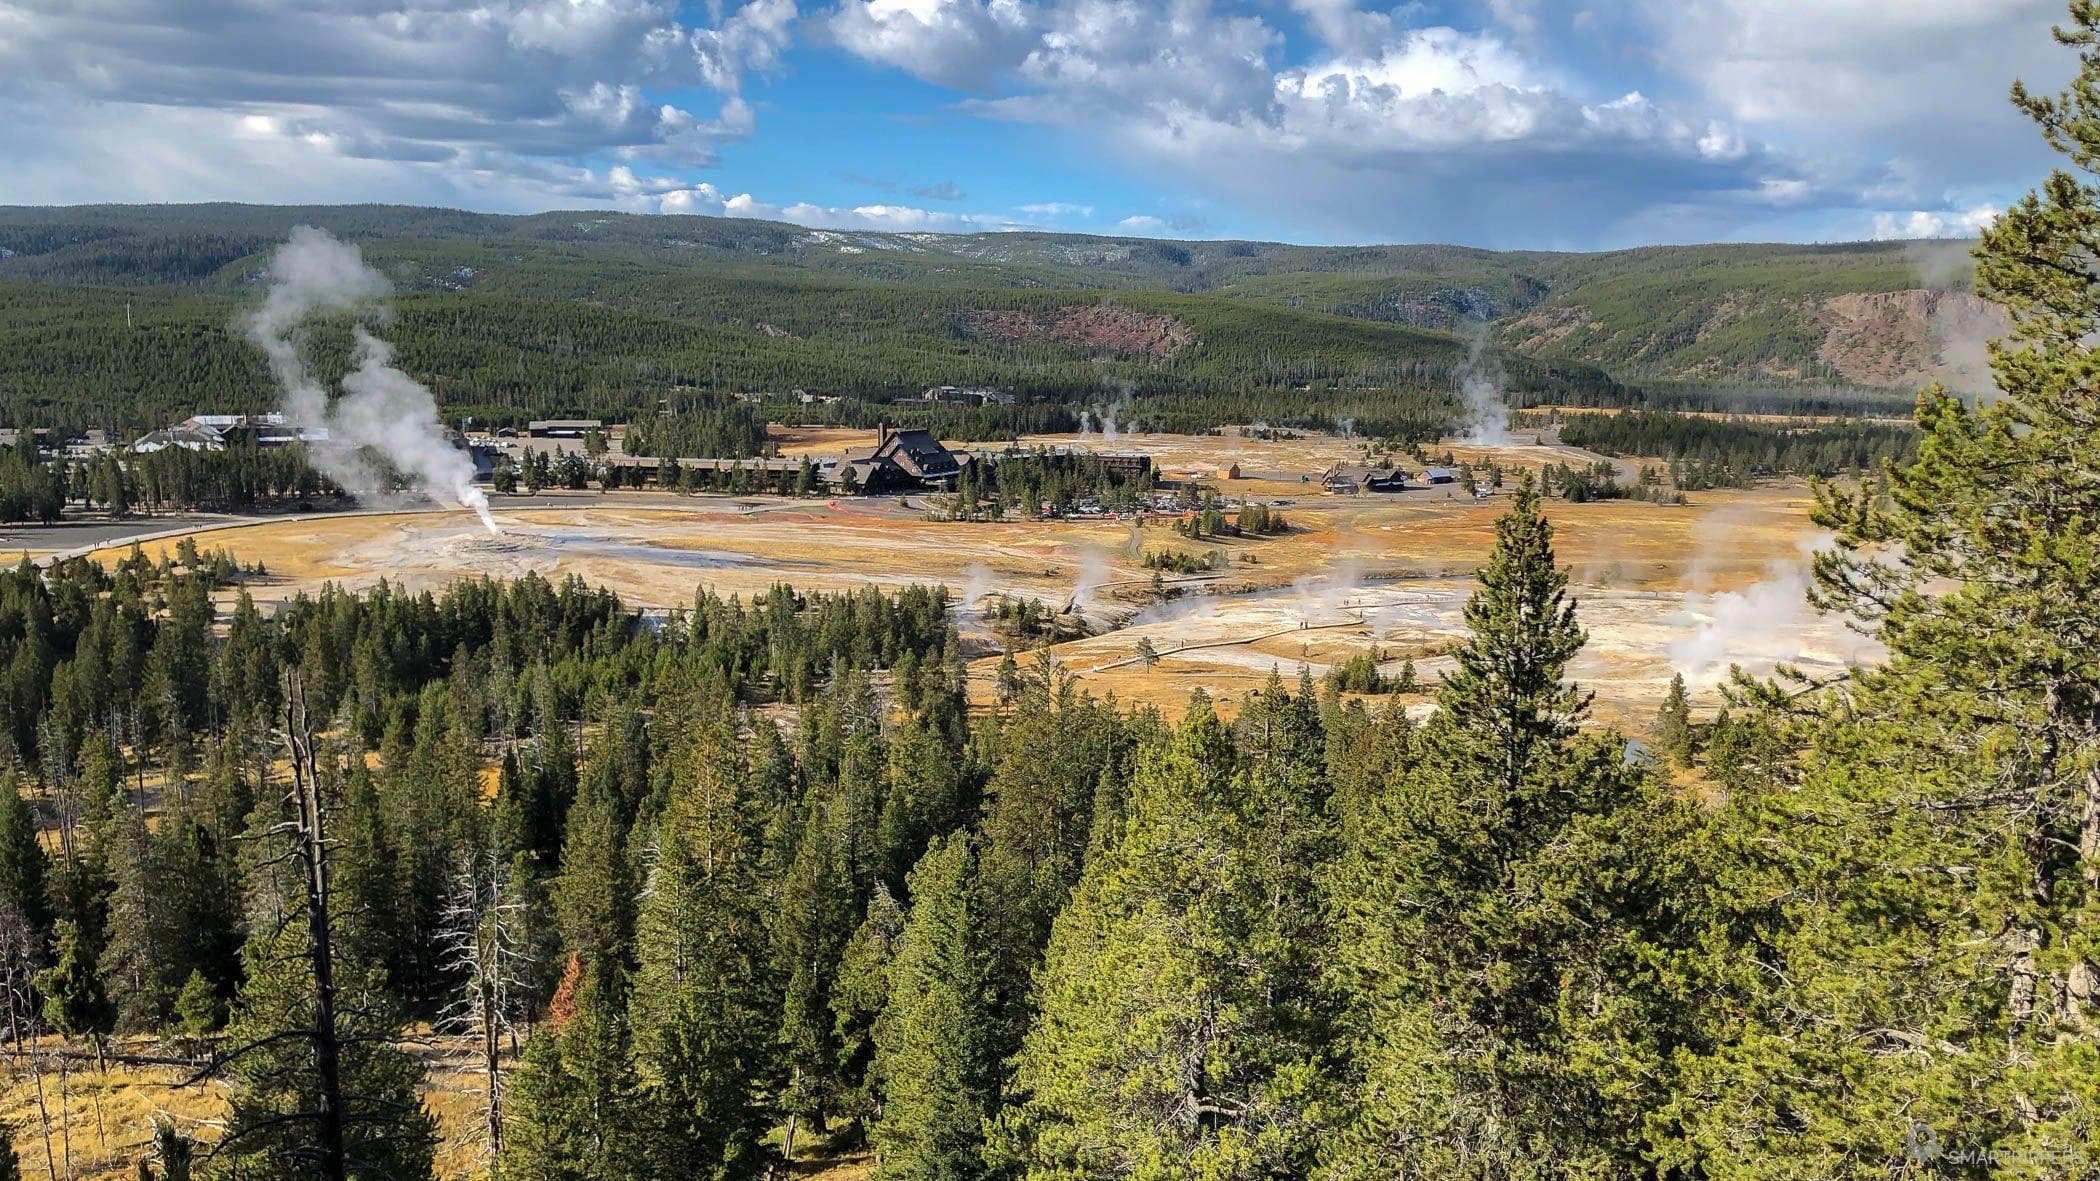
(516, 878)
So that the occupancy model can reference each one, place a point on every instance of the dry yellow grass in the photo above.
(1630, 561)
(101, 1122)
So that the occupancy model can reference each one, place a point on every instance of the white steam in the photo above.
(1094, 574)
(1104, 419)
(1961, 325)
(381, 409)
(1480, 388)
(1765, 624)
(1331, 597)
(977, 585)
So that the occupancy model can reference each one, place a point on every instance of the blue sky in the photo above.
(1565, 124)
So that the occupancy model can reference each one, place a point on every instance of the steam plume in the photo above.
(1480, 387)
(1768, 623)
(382, 408)
(1094, 574)
(977, 584)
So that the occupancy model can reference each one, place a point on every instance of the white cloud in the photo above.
(1058, 209)
(1752, 115)
(960, 43)
(1920, 85)
(459, 86)
(709, 200)
(1427, 128)
(1142, 223)
(1926, 223)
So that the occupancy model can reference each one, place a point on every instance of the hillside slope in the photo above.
(630, 301)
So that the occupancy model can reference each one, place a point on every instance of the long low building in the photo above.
(562, 428)
(773, 464)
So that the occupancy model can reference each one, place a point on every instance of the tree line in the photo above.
(1709, 452)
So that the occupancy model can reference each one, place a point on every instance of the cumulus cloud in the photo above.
(1926, 223)
(1920, 84)
(960, 43)
(1518, 122)
(1729, 117)
(1383, 128)
(464, 87)
(709, 200)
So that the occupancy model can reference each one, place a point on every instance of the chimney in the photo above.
(882, 431)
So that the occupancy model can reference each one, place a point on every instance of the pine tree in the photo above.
(1156, 1051)
(700, 1008)
(1917, 884)
(812, 923)
(594, 895)
(925, 798)
(1037, 829)
(199, 1010)
(139, 949)
(932, 1065)
(574, 1110)
(1409, 681)
(1673, 724)
(172, 1149)
(858, 993)
(23, 863)
(74, 1003)
(1500, 912)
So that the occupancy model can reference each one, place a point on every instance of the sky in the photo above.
(1545, 124)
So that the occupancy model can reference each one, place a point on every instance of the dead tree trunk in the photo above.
(313, 858)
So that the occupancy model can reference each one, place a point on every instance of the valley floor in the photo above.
(1663, 588)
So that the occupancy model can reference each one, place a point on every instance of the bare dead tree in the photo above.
(320, 1083)
(485, 936)
(20, 951)
(308, 853)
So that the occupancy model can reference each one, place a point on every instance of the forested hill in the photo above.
(101, 307)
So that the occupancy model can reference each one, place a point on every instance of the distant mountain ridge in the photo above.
(1878, 315)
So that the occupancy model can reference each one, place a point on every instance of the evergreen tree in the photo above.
(574, 1109)
(858, 994)
(699, 1006)
(142, 935)
(23, 863)
(594, 895)
(812, 924)
(1921, 940)
(172, 1149)
(925, 798)
(74, 1002)
(932, 1065)
(1673, 724)
(1156, 1051)
(1502, 910)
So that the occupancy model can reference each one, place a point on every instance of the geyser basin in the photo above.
(542, 547)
